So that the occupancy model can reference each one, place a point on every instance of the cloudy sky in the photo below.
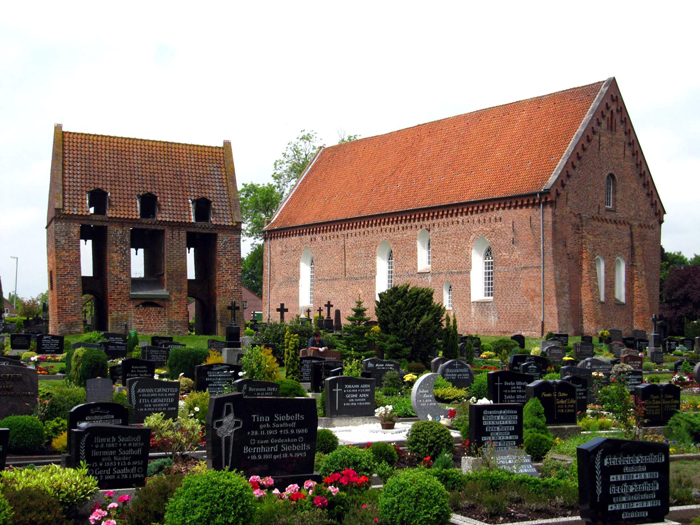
(257, 73)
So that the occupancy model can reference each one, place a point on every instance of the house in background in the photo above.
(535, 216)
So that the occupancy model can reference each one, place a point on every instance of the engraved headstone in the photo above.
(532, 368)
(498, 425)
(615, 335)
(688, 343)
(518, 359)
(656, 355)
(520, 339)
(148, 396)
(423, 398)
(305, 365)
(616, 349)
(115, 373)
(253, 388)
(583, 392)
(86, 345)
(215, 344)
(596, 365)
(49, 344)
(546, 344)
(583, 350)
(114, 350)
(670, 346)
(641, 344)
(20, 341)
(99, 390)
(505, 386)
(376, 368)
(633, 379)
(19, 388)
(562, 338)
(435, 364)
(320, 370)
(349, 396)
(108, 413)
(515, 460)
(639, 334)
(457, 372)
(661, 402)
(556, 354)
(157, 340)
(137, 368)
(215, 378)
(635, 361)
(587, 339)
(158, 354)
(629, 342)
(558, 399)
(114, 337)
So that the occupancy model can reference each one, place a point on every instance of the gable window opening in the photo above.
(148, 206)
(488, 273)
(610, 191)
(201, 210)
(97, 201)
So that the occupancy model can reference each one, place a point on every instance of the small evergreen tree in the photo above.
(354, 342)
(450, 338)
(291, 356)
(469, 352)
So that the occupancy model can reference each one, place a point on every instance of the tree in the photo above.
(354, 334)
(681, 297)
(294, 160)
(412, 321)
(252, 271)
(450, 338)
(258, 203)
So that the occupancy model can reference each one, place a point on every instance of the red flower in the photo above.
(332, 478)
(369, 444)
(320, 502)
(451, 413)
(254, 485)
(297, 496)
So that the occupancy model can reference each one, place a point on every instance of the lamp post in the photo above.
(16, 267)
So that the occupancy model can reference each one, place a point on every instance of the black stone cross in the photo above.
(234, 308)
(308, 313)
(329, 306)
(320, 311)
(654, 320)
(282, 310)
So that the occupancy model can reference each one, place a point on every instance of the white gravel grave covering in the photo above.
(361, 434)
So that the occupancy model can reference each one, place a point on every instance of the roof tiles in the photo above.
(497, 152)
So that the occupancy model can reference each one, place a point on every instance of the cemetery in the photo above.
(490, 428)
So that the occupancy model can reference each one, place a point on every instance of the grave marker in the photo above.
(435, 364)
(583, 350)
(158, 354)
(498, 425)
(376, 368)
(108, 413)
(148, 396)
(320, 370)
(99, 390)
(349, 396)
(215, 344)
(457, 372)
(615, 335)
(114, 350)
(586, 339)
(305, 364)
(20, 341)
(532, 368)
(558, 399)
(639, 334)
(635, 361)
(423, 398)
(132, 368)
(508, 387)
(19, 388)
(562, 338)
(520, 339)
(215, 378)
(253, 388)
(641, 344)
(555, 354)
(49, 344)
(157, 340)
(661, 402)
(518, 359)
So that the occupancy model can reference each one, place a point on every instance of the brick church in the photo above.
(535, 216)
(154, 202)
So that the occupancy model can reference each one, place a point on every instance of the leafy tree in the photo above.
(681, 297)
(450, 338)
(354, 334)
(252, 272)
(258, 203)
(412, 321)
(669, 260)
(31, 307)
(294, 160)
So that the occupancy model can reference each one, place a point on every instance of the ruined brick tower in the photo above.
(129, 198)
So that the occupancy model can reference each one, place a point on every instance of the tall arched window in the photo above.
(600, 270)
(447, 295)
(620, 279)
(424, 255)
(610, 191)
(482, 272)
(385, 267)
(306, 278)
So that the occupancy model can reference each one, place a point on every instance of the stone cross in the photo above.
(337, 391)
(234, 308)
(654, 320)
(308, 313)
(320, 311)
(282, 310)
(328, 305)
(498, 386)
(225, 428)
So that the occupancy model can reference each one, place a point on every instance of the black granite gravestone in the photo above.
(583, 392)
(149, 396)
(137, 368)
(656, 355)
(615, 335)
(629, 342)
(305, 365)
(19, 388)
(678, 365)
(520, 339)
(562, 338)
(49, 344)
(99, 390)
(623, 481)
(518, 359)
(532, 368)
(262, 436)
(587, 339)
(337, 324)
(546, 344)
(157, 340)
(87, 345)
(496, 425)
(114, 337)
(558, 399)
(11, 360)
(661, 402)
(639, 334)
(320, 370)
(216, 377)
(641, 344)
(215, 344)
(555, 354)
(115, 373)
(4, 439)
(616, 349)
(583, 350)
(114, 350)
(596, 365)
(158, 354)
(375, 368)
(116, 455)
(20, 341)
(515, 460)
(349, 396)
(508, 387)
(106, 413)
(632, 379)
(172, 344)
(435, 364)
(457, 372)
(670, 346)
(688, 343)
(253, 388)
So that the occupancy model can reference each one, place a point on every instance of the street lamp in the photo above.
(16, 267)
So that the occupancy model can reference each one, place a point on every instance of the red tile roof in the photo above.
(497, 152)
(127, 167)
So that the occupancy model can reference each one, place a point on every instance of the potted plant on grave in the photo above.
(604, 337)
(387, 417)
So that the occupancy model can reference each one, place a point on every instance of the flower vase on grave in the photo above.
(388, 425)
(446, 421)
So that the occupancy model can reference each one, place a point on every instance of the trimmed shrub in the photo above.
(183, 360)
(26, 433)
(5, 510)
(326, 441)
(416, 368)
(499, 345)
(392, 379)
(534, 420)
(443, 461)
(93, 364)
(148, 506)
(450, 395)
(537, 445)
(414, 497)
(384, 452)
(215, 498)
(61, 400)
(479, 388)
(450, 478)
(684, 427)
(60, 442)
(34, 506)
(429, 438)
(157, 466)
(291, 388)
(357, 459)
(54, 428)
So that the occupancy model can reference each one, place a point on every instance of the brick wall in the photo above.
(65, 285)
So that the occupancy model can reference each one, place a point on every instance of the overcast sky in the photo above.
(257, 73)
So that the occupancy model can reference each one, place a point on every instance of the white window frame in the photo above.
(610, 191)
(478, 272)
(620, 277)
(423, 250)
(385, 257)
(600, 272)
(447, 296)
(306, 276)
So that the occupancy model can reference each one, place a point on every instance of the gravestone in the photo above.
(546, 344)
(436, 363)
(157, 340)
(423, 398)
(375, 368)
(4, 439)
(320, 370)
(305, 365)
(515, 460)
(158, 354)
(349, 396)
(635, 361)
(116, 455)
(262, 436)
(656, 355)
(661, 402)
(670, 346)
(114, 337)
(132, 368)
(148, 396)
(616, 349)
(520, 339)
(639, 334)
(532, 368)
(678, 365)
(633, 379)
(232, 356)
(172, 344)
(641, 344)
(49, 344)
(498, 425)
(253, 388)
(505, 386)
(583, 392)
(587, 339)
(688, 343)
(518, 359)
(215, 344)
(696, 373)
(555, 354)
(20, 341)
(114, 350)
(623, 481)
(629, 342)
(11, 360)
(596, 365)
(99, 390)
(558, 399)
(87, 345)
(215, 378)
(583, 350)
(562, 338)
(107, 413)
(615, 335)
(19, 387)
(457, 372)
(115, 373)
(338, 323)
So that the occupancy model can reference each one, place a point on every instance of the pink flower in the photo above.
(320, 502)
(255, 479)
(123, 498)
(258, 493)
(309, 484)
(276, 492)
(333, 490)
(112, 505)
(109, 522)
(97, 516)
(109, 494)
(267, 482)
(376, 520)
(291, 489)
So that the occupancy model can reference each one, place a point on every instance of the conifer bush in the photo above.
(414, 497)
(26, 433)
(429, 438)
(183, 360)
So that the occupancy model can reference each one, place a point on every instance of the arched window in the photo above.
(482, 272)
(201, 210)
(306, 278)
(600, 270)
(610, 191)
(97, 201)
(385, 267)
(447, 295)
(424, 255)
(148, 206)
(620, 279)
